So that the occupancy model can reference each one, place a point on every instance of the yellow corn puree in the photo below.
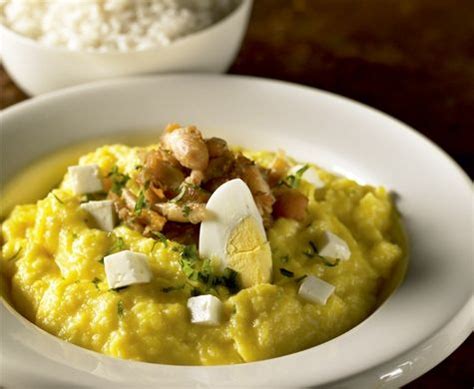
(53, 274)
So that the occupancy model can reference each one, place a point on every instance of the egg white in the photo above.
(228, 206)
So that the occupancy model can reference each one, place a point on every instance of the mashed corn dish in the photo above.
(188, 252)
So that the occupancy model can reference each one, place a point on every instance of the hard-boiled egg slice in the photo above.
(233, 235)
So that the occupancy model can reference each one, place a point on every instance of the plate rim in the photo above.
(50, 97)
(79, 89)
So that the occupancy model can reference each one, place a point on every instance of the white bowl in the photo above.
(38, 69)
(428, 316)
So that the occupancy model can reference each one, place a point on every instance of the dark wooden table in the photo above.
(413, 59)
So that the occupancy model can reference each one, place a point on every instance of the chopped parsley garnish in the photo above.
(211, 280)
(58, 199)
(195, 270)
(206, 275)
(186, 210)
(119, 180)
(294, 180)
(172, 288)
(161, 238)
(190, 253)
(313, 252)
(95, 281)
(15, 256)
(299, 174)
(286, 272)
(182, 191)
(140, 204)
(196, 187)
(120, 308)
(229, 279)
(328, 262)
(189, 256)
(93, 196)
(188, 269)
(195, 292)
(119, 288)
(290, 181)
(300, 278)
(118, 245)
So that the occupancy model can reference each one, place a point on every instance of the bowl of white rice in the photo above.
(48, 45)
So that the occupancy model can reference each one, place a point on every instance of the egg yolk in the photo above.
(249, 254)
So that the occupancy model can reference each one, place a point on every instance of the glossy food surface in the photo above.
(53, 271)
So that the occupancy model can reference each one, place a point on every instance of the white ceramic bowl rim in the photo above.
(435, 292)
(241, 7)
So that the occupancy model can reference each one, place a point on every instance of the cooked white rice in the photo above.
(111, 25)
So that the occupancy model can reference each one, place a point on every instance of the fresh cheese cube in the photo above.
(205, 309)
(310, 175)
(85, 179)
(334, 247)
(126, 268)
(102, 213)
(315, 290)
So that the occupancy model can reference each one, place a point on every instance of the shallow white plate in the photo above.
(424, 321)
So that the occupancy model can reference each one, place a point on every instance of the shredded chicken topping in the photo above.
(178, 177)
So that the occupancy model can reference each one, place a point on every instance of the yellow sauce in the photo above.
(52, 274)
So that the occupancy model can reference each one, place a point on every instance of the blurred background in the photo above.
(413, 59)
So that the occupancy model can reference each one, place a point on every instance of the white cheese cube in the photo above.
(205, 309)
(334, 247)
(126, 268)
(85, 179)
(310, 175)
(102, 213)
(315, 290)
